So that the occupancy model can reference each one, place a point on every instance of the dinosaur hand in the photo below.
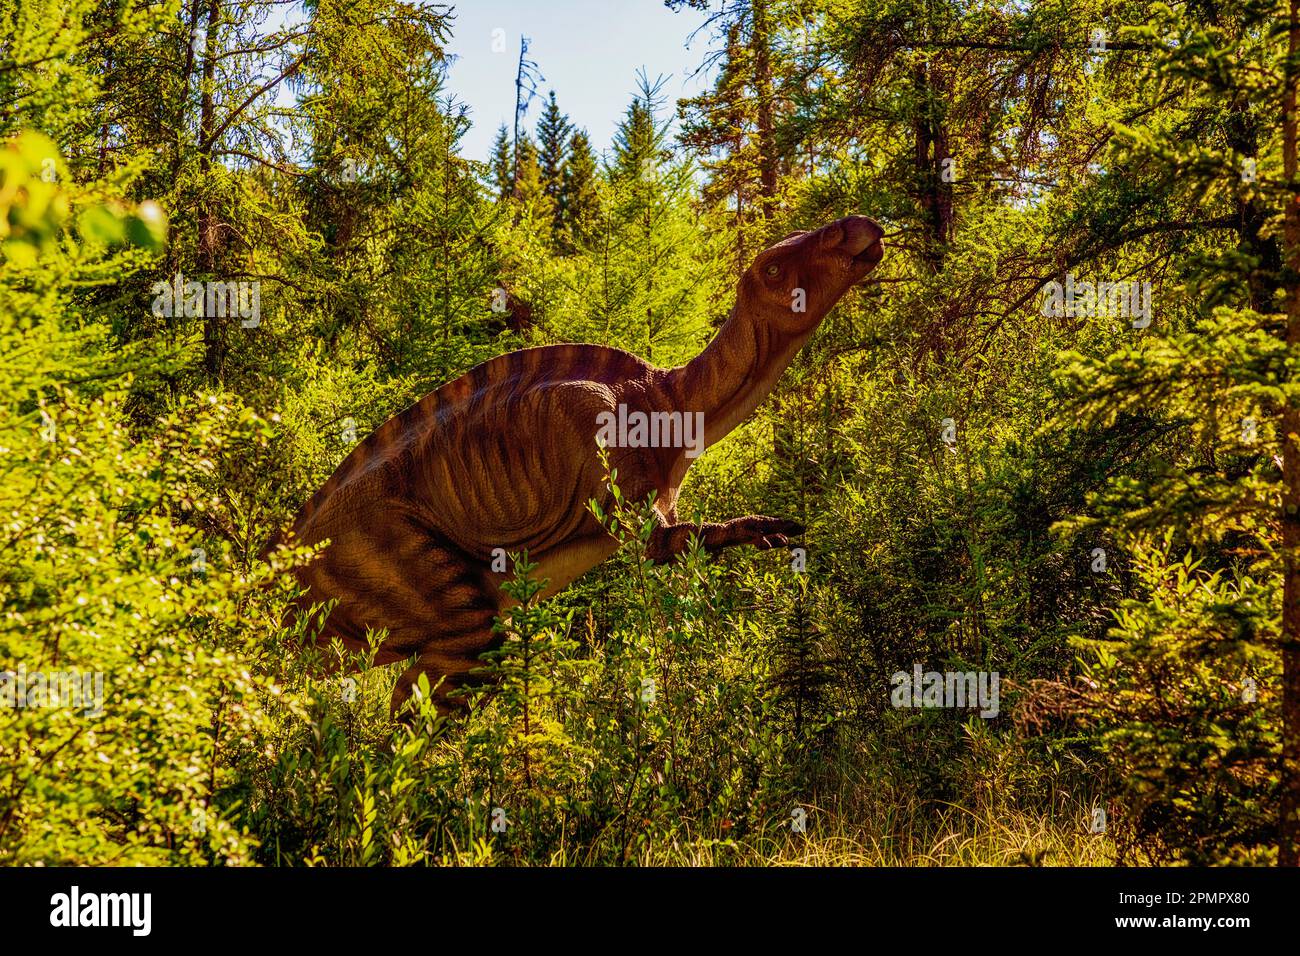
(764, 532)
(758, 530)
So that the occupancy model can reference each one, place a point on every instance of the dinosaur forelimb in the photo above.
(759, 530)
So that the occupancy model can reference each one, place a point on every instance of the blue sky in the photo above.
(588, 51)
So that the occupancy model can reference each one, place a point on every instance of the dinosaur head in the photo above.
(795, 283)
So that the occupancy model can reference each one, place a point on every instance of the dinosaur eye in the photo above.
(773, 270)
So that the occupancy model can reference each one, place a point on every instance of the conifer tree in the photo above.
(1195, 692)
(553, 132)
(501, 164)
(580, 194)
(640, 137)
(734, 127)
(529, 186)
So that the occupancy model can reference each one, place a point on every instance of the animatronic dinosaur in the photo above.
(506, 457)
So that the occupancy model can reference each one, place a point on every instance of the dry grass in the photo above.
(952, 836)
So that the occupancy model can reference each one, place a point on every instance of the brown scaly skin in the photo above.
(505, 457)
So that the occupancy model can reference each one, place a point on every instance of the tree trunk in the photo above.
(519, 99)
(931, 151)
(209, 224)
(768, 161)
(1288, 851)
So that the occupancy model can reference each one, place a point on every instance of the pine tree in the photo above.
(526, 79)
(580, 196)
(553, 131)
(502, 164)
(640, 137)
(386, 152)
(734, 126)
(529, 187)
(1197, 694)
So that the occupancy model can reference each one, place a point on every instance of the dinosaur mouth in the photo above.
(870, 255)
(859, 237)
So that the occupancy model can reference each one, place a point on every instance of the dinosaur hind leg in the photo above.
(447, 652)
(439, 605)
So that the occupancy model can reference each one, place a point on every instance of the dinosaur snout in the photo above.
(859, 236)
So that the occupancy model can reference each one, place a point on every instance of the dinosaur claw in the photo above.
(779, 526)
(767, 533)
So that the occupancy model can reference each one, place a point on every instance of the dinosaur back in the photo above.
(475, 424)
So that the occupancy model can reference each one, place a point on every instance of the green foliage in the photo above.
(502, 164)
(553, 130)
(1186, 683)
(580, 748)
(579, 195)
(959, 456)
(123, 630)
(1180, 691)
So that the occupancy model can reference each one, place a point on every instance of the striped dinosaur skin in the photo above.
(505, 457)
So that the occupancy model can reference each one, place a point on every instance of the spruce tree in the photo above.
(501, 165)
(580, 195)
(640, 137)
(553, 130)
(1195, 691)
(529, 187)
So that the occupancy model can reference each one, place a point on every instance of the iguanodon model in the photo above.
(506, 457)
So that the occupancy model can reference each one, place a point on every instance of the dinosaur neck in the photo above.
(734, 373)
